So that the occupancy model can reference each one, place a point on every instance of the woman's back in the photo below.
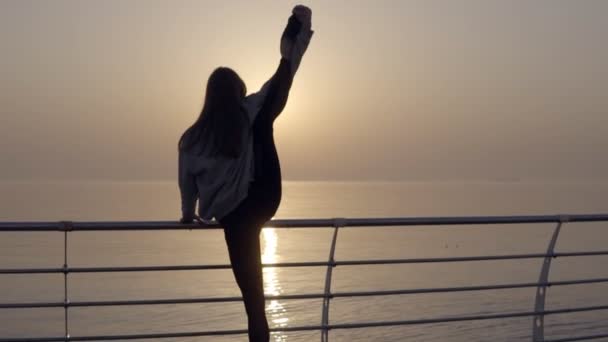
(224, 179)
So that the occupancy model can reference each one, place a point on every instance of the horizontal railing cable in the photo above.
(299, 296)
(466, 318)
(295, 264)
(304, 223)
(312, 328)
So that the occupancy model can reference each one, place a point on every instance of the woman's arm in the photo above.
(188, 190)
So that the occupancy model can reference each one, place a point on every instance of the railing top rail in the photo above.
(302, 223)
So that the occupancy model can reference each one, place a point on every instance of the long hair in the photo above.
(219, 128)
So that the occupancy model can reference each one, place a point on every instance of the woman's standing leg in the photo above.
(243, 241)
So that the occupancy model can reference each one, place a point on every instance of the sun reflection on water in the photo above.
(276, 312)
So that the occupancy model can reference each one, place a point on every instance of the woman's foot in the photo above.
(259, 331)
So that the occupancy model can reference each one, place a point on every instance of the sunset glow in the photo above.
(389, 90)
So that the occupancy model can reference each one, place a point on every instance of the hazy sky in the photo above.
(404, 90)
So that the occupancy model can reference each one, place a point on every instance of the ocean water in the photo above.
(160, 201)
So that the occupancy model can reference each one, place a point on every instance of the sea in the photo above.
(118, 201)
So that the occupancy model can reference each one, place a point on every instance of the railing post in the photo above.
(538, 322)
(331, 263)
(67, 227)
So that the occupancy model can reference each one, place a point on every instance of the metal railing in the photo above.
(325, 326)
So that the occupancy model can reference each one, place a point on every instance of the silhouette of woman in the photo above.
(228, 161)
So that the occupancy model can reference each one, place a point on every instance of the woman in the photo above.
(228, 161)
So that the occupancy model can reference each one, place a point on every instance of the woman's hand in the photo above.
(286, 47)
(189, 220)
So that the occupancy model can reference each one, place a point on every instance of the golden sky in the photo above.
(397, 90)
